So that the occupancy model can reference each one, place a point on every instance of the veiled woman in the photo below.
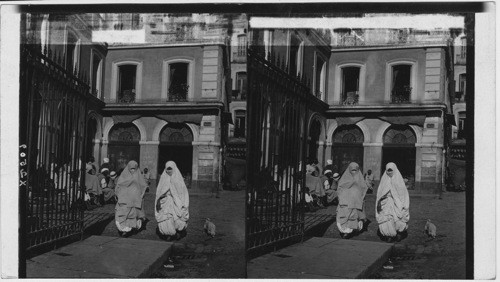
(351, 192)
(172, 203)
(130, 188)
(393, 204)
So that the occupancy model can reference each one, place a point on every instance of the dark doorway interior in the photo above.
(343, 155)
(120, 154)
(403, 157)
(181, 154)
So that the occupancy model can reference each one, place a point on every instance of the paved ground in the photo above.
(196, 255)
(417, 256)
(101, 257)
(320, 258)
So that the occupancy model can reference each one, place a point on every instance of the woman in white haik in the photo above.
(172, 203)
(393, 205)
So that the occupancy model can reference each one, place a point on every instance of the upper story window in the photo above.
(241, 86)
(239, 123)
(462, 78)
(350, 85)
(268, 43)
(177, 80)
(463, 48)
(462, 129)
(295, 55)
(320, 78)
(401, 83)
(178, 85)
(45, 32)
(127, 83)
(72, 52)
(242, 45)
(96, 78)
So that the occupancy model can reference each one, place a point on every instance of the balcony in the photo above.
(350, 98)
(126, 96)
(401, 95)
(178, 92)
(459, 97)
(238, 95)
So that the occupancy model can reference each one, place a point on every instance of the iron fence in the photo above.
(276, 150)
(53, 109)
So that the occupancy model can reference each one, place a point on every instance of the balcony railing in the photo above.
(178, 92)
(126, 96)
(401, 95)
(387, 37)
(350, 98)
(238, 95)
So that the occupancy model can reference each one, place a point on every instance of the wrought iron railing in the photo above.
(277, 108)
(458, 151)
(401, 95)
(53, 121)
(350, 99)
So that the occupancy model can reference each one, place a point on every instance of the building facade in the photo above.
(389, 99)
(165, 94)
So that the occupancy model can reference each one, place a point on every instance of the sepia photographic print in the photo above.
(257, 141)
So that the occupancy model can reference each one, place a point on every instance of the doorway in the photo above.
(176, 144)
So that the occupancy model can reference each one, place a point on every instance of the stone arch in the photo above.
(322, 122)
(140, 126)
(379, 136)
(161, 124)
(417, 130)
(331, 129)
(97, 118)
(366, 131)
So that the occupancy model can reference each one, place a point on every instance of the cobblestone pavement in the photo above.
(417, 256)
(196, 255)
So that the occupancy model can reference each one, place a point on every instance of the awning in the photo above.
(125, 118)
(180, 118)
(403, 120)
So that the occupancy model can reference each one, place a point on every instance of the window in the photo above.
(96, 75)
(241, 86)
(45, 32)
(268, 42)
(178, 85)
(320, 78)
(463, 50)
(461, 84)
(239, 124)
(350, 85)
(242, 45)
(296, 55)
(72, 54)
(126, 83)
(401, 84)
(462, 129)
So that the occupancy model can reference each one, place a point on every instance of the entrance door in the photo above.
(123, 145)
(403, 157)
(176, 142)
(182, 155)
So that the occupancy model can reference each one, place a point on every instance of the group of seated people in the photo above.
(321, 190)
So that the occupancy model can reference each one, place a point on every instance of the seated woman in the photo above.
(130, 189)
(172, 203)
(392, 205)
(351, 192)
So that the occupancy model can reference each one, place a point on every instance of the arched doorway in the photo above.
(347, 147)
(123, 145)
(314, 133)
(176, 144)
(89, 143)
(399, 148)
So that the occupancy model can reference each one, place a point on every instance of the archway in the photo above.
(91, 134)
(176, 144)
(123, 145)
(347, 147)
(314, 136)
(399, 148)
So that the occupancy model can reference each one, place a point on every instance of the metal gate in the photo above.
(276, 144)
(53, 114)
